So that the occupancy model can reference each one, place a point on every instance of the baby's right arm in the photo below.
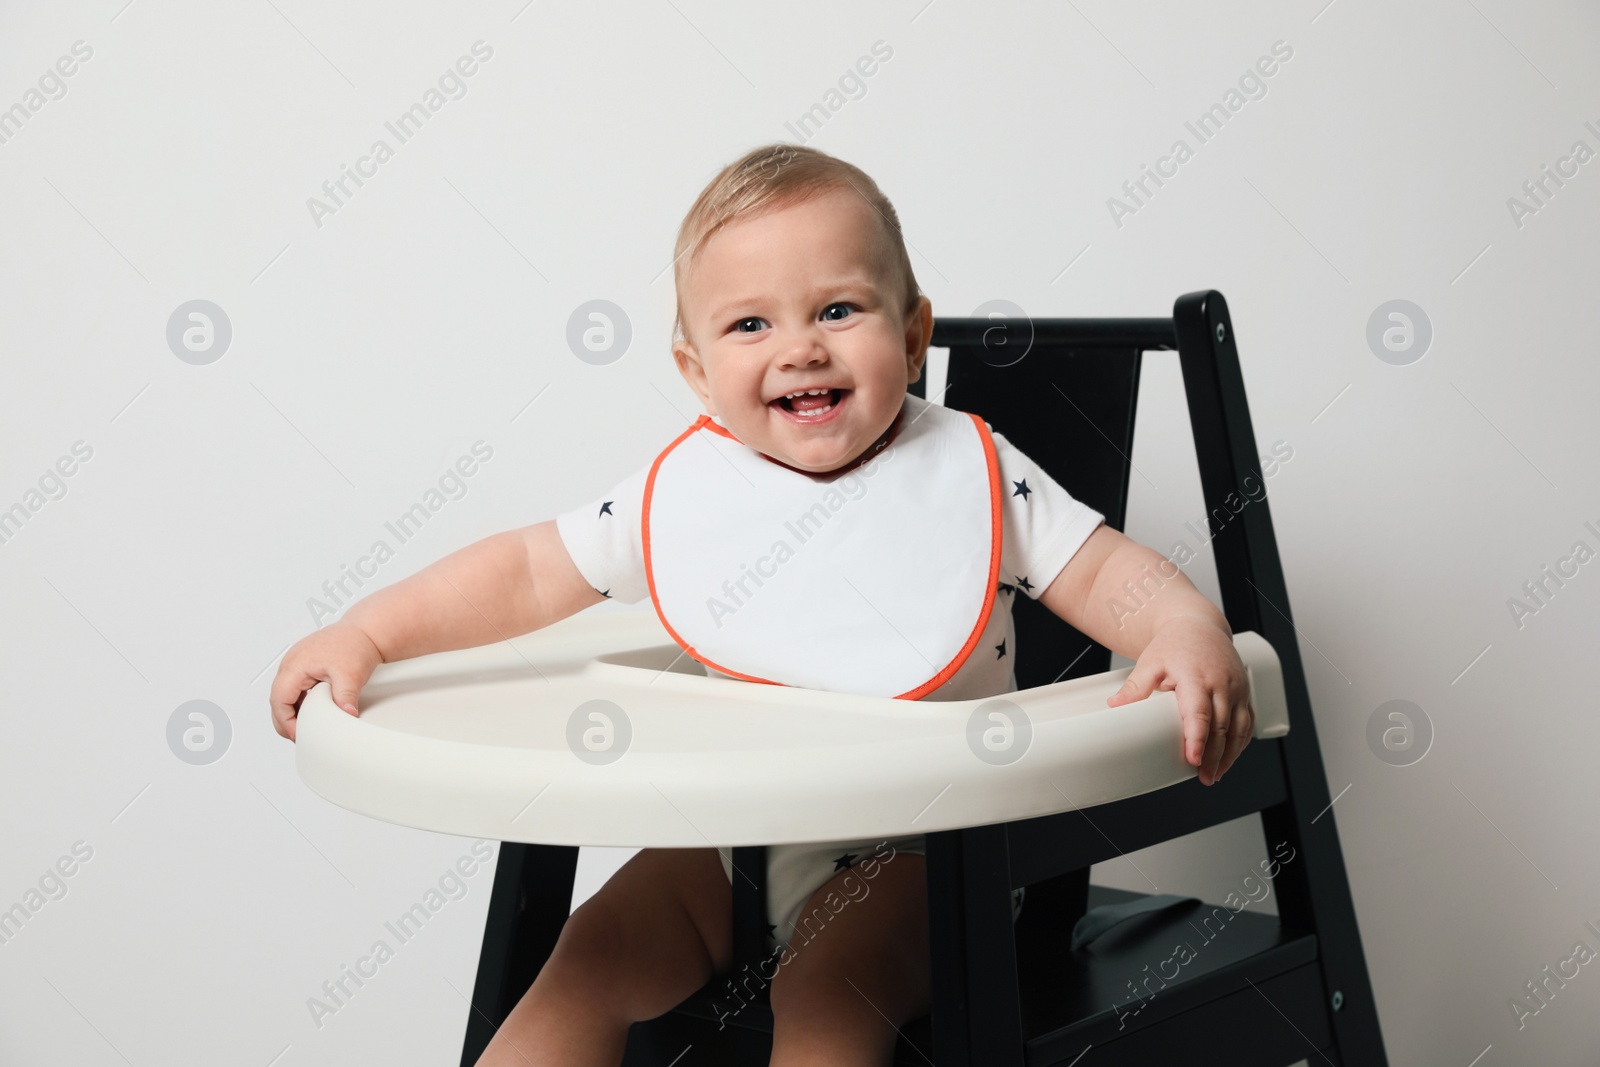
(500, 587)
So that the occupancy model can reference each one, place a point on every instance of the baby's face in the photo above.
(795, 300)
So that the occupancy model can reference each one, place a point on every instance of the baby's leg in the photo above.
(654, 933)
(837, 998)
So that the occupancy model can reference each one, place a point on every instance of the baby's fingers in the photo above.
(284, 719)
(1216, 740)
(1194, 707)
(285, 697)
(1240, 731)
(346, 689)
(346, 694)
(1222, 727)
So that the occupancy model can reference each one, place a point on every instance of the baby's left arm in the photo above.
(1138, 604)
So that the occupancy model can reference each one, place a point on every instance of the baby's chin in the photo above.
(820, 467)
(823, 471)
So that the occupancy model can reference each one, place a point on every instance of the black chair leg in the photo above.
(749, 906)
(528, 906)
(976, 1009)
(947, 951)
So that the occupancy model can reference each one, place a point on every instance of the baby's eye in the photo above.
(741, 322)
(830, 307)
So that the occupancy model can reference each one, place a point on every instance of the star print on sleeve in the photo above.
(845, 861)
(605, 509)
(1044, 525)
(604, 539)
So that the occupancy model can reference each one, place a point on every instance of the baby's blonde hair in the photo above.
(779, 175)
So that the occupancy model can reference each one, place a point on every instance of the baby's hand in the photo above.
(1197, 658)
(340, 654)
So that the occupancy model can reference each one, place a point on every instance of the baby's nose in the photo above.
(804, 352)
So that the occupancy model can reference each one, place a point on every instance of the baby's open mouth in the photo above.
(811, 404)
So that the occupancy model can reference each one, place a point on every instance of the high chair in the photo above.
(598, 731)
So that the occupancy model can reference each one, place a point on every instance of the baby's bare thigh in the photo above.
(866, 968)
(657, 931)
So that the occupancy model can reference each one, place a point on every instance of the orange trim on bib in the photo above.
(715, 427)
(995, 544)
(950, 669)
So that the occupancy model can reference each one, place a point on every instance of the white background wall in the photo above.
(370, 350)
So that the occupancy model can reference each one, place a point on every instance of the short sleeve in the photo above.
(1044, 524)
(605, 540)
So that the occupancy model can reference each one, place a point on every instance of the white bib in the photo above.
(878, 581)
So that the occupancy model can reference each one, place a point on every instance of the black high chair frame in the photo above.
(1266, 993)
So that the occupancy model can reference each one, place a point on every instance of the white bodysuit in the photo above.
(1040, 528)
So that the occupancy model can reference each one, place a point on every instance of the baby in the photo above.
(817, 527)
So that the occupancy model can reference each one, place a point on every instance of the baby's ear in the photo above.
(919, 331)
(689, 366)
(918, 363)
(688, 361)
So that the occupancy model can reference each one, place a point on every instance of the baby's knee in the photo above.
(800, 994)
(589, 957)
(818, 1017)
(636, 958)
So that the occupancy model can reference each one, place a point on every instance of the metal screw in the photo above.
(1338, 1000)
(1222, 332)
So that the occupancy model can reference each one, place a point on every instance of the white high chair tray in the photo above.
(475, 742)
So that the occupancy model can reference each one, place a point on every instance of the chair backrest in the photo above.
(1065, 391)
